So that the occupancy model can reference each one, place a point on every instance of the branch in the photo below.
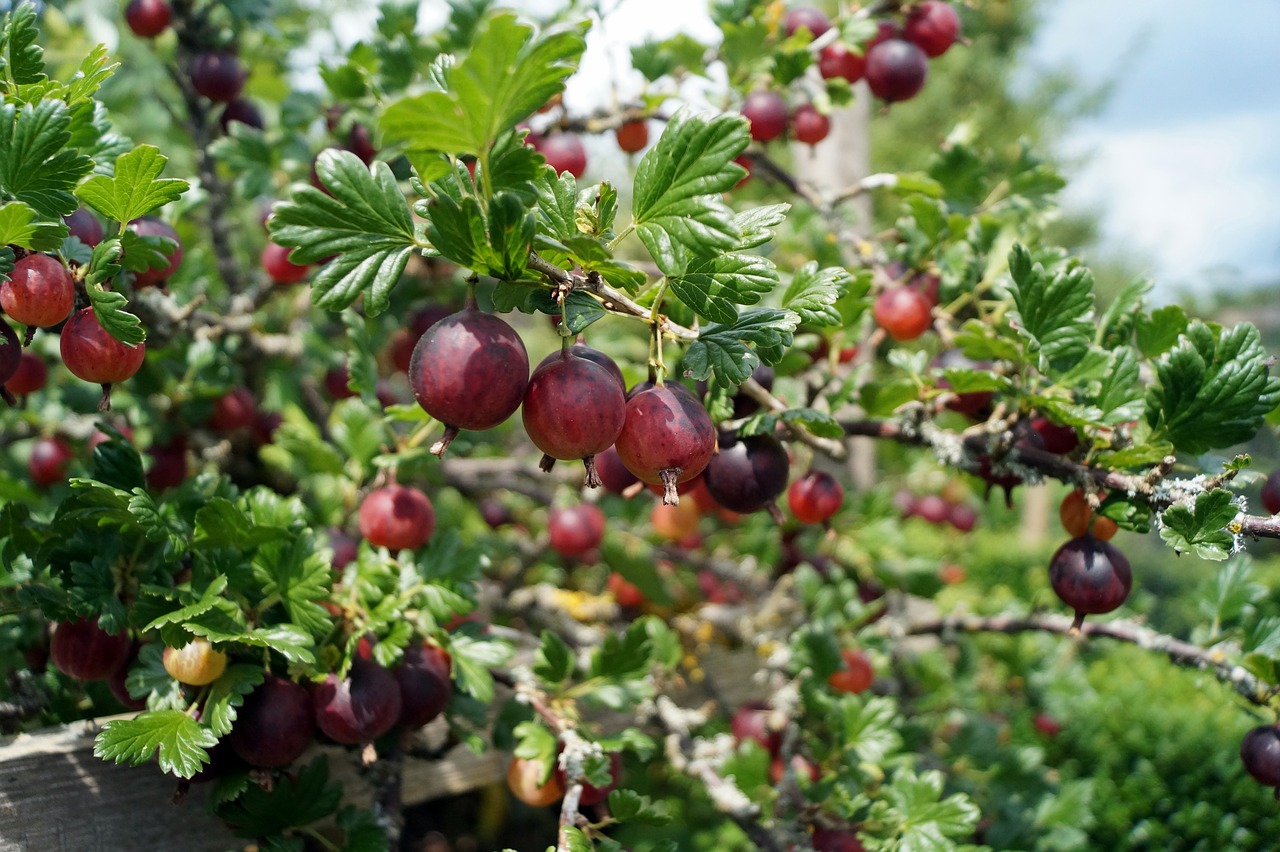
(1179, 651)
(826, 446)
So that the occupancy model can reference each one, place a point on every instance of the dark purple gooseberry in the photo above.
(1090, 576)
(747, 474)
(425, 687)
(359, 708)
(85, 227)
(582, 350)
(83, 650)
(933, 25)
(149, 226)
(469, 371)
(1260, 751)
(1271, 493)
(896, 69)
(573, 409)
(218, 75)
(495, 512)
(767, 114)
(667, 438)
(242, 110)
(614, 475)
(275, 725)
(1055, 438)
(10, 354)
(814, 20)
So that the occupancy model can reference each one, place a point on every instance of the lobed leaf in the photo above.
(180, 740)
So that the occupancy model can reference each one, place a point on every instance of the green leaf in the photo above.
(655, 59)
(108, 306)
(1158, 332)
(621, 656)
(227, 693)
(813, 293)
(36, 166)
(289, 801)
(756, 224)
(497, 243)
(630, 807)
(868, 727)
(219, 523)
(1055, 311)
(21, 57)
(555, 663)
(180, 739)
(18, 226)
(1234, 589)
(290, 641)
(1214, 389)
(819, 423)
(713, 285)
(135, 189)
(361, 831)
(472, 659)
(724, 350)
(677, 201)
(923, 817)
(297, 572)
(116, 462)
(1119, 395)
(209, 598)
(366, 223)
(1201, 529)
(508, 73)
(535, 742)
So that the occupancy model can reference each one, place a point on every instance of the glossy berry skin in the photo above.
(834, 840)
(575, 531)
(932, 25)
(83, 650)
(808, 125)
(1078, 518)
(397, 517)
(767, 112)
(234, 410)
(50, 459)
(1090, 576)
(1055, 438)
(815, 497)
(896, 70)
(148, 18)
(218, 76)
(582, 350)
(632, 137)
(857, 675)
(573, 409)
(751, 722)
(564, 153)
(903, 312)
(85, 227)
(814, 20)
(197, 663)
(667, 438)
(242, 110)
(31, 375)
(614, 475)
(526, 782)
(275, 725)
(1271, 493)
(360, 707)
(40, 291)
(840, 60)
(93, 355)
(1260, 751)
(360, 143)
(149, 226)
(425, 687)
(12, 357)
(469, 371)
(281, 270)
(962, 517)
(747, 474)
(932, 508)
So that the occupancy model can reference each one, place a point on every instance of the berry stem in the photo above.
(546, 463)
(104, 404)
(670, 479)
(593, 476)
(438, 448)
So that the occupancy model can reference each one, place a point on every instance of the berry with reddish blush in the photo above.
(93, 355)
(31, 374)
(1055, 438)
(168, 464)
(1090, 576)
(840, 60)
(40, 291)
(1260, 751)
(1271, 493)
(575, 531)
(675, 523)
(149, 226)
(84, 226)
(360, 143)
(404, 340)
(469, 371)
(933, 25)
(885, 30)
(148, 18)
(808, 125)
(626, 593)
(360, 707)
(197, 663)
(218, 75)
(1078, 518)
(281, 270)
(747, 474)
(531, 782)
(767, 112)
(275, 725)
(345, 548)
(932, 508)
(632, 136)
(972, 404)
(11, 356)
(425, 687)
(116, 682)
(573, 409)
(835, 840)
(751, 722)
(234, 410)
(1046, 724)
(951, 573)
(242, 110)
(667, 438)
(962, 516)
(49, 462)
(397, 517)
(495, 513)
(857, 675)
(582, 350)
(815, 497)
(83, 650)
(896, 70)
(903, 312)
(805, 17)
(565, 153)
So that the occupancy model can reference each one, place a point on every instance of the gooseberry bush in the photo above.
(264, 483)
